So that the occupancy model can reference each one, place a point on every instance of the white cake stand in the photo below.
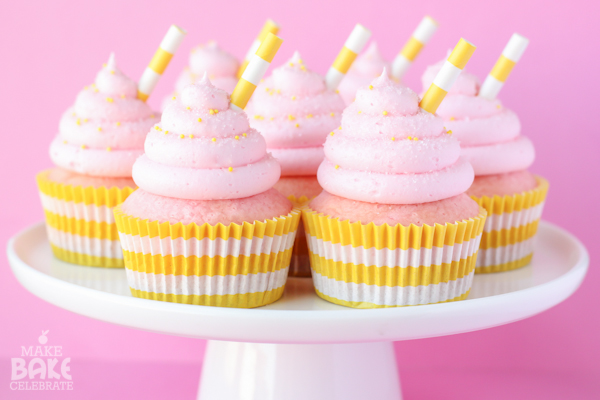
(302, 347)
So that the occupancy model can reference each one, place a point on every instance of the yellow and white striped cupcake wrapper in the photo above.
(369, 266)
(231, 265)
(80, 223)
(509, 232)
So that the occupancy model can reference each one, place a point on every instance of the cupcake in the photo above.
(99, 139)
(393, 226)
(295, 112)
(367, 66)
(206, 227)
(220, 66)
(491, 140)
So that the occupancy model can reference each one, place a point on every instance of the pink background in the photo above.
(50, 50)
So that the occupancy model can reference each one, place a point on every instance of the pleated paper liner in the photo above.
(80, 222)
(512, 223)
(220, 265)
(368, 266)
(300, 264)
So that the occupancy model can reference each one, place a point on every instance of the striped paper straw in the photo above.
(510, 56)
(160, 61)
(413, 47)
(258, 65)
(444, 79)
(354, 45)
(269, 27)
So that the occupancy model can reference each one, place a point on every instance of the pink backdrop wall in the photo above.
(50, 50)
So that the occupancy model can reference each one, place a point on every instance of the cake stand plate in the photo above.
(302, 347)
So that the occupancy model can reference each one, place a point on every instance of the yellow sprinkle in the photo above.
(214, 140)
(498, 106)
(393, 138)
(300, 61)
(188, 108)
(267, 89)
(309, 116)
(384, 113)
(211, 112)
(151, 115)
(95, 90)
(99, 129)
(291, 64)
(108, 149)
(181, 136)
(271, 119)
(83, 147)
(297, 125)
(409, 138)
(122, 96)
(303, 68)
(332, 133)
(157, 128)
(449, 132)
(85, 88)
(237, 137)
(337, 166)
(360, 112)
(244, 134)
(64, 142)
(452, 118)
(370, 87)
(191, 136)
(85, 120)
(78, 122)
(199, 119)
(230, 169)
(112, 72)
(291, 117)
(118, 124)
(415, 138)
(332, 114)
(104, 65)
(166, 132)
(216, 111)
(340, 128)
(337, 91)
(173, 98)
(293, 97)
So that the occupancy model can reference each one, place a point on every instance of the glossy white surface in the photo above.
(558, 267)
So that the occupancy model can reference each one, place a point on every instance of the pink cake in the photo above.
(99, 139)
(393, 226)
(220, 66)
(491, 140)
(364, 69)
(217, 233)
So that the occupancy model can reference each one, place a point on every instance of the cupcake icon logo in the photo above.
(42, 366)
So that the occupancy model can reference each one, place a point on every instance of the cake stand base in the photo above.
(239, 371)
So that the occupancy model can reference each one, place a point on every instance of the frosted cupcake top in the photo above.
(220, 66)
(390, 151)
(103, 132)
(293, 109)
(489, 133)
(367, 66)
(203, 150)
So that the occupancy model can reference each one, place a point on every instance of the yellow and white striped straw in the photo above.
(510, 56)
(258, 65)
(160, 61)
(444, 79)
(269, 27)
(354, 45)
(413, 47)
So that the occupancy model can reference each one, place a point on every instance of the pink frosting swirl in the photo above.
(390, 151)
(489, 134)
(367, 66)
(103, 133)
(203, 150)
(220, 66)
(295, 112)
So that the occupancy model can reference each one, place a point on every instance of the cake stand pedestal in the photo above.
(302, 347)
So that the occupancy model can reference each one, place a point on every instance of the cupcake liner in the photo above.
(80, 222)
(300, 264)
(220, 265)
(508, 236)
(369, 266)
